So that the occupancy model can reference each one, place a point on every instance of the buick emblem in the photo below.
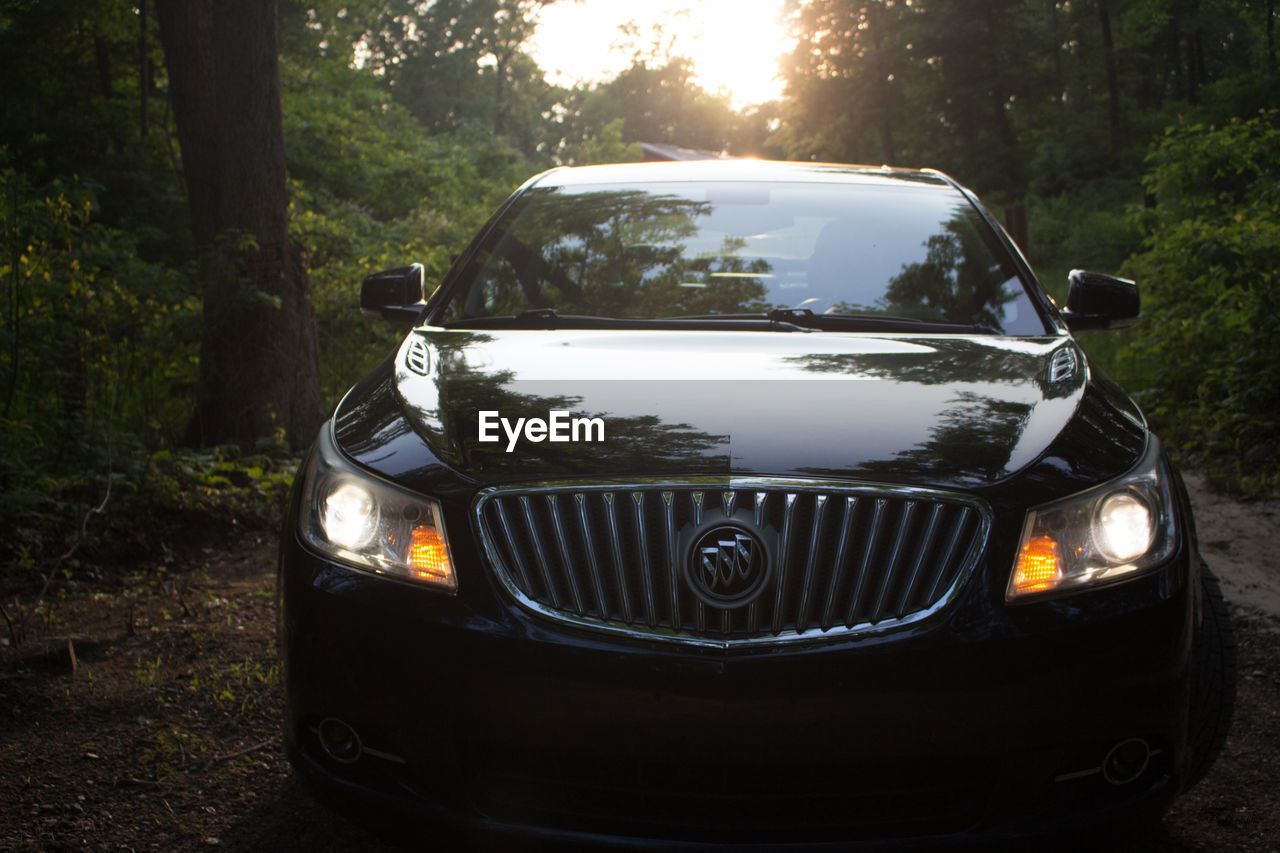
(727, 566)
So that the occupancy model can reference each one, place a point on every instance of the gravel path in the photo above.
(1241, 541)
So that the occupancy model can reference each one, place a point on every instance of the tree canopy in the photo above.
(405, 122)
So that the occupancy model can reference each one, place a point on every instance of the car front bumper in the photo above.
(984, 722)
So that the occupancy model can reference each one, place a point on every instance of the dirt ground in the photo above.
(144, 712)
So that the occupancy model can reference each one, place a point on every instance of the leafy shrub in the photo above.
(1211, 294)
(97, 352)
(1087, 226)
(223, 479)
(370, 190)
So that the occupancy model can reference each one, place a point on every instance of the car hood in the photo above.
(963, 411)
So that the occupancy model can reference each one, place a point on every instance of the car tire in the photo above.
(1213, 679)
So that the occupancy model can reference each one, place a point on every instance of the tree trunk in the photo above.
(1202, 70)
(1271, 38)
(1175, 60)
(258, 356)
(1051, 11)
(1010, 155)
(144, 79)
(883, 69)
(1193, 84)
(1113, 79)
(103, 54)
(499, 93)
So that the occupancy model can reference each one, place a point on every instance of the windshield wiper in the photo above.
(549, 318)
(806, 319)
(538, 318)
(779, 319)
(881, 322)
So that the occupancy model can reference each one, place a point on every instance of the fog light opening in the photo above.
(1126, 761)
(339, 740)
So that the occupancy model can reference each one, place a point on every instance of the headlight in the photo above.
(354, 518)
(1110, 532)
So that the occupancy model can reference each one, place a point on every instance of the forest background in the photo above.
(1129, 136)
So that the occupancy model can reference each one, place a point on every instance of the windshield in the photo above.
(671, 250)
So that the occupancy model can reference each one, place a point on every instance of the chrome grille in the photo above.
(844, 558)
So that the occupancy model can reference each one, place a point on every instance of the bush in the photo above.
(369, 191)
(1212, 297)
(97, 353)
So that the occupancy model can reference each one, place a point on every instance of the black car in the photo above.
(746, 503)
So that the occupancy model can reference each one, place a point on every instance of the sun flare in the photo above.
(734, 44)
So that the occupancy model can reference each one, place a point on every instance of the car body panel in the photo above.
(733, 406)
(981, 720)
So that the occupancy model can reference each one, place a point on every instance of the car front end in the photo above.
(739, 577)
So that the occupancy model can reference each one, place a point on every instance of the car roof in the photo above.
(738, 170)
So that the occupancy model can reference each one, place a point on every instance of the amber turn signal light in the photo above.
(1039, 566)
(429, 555)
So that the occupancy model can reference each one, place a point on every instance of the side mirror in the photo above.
(394, 294)
(1097, 301)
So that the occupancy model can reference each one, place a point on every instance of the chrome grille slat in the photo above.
(504, 524)
(784, 555)
(895, 555)
(699, 608)
(844, 558)
(526, 508)
(642, 542)
(957, 528)
(913, 578)
(753, 609)
(553, 507)
(837, 562)
(602, 608)
(864, 563)
(615, 548)
(669, 531)
(815, 545)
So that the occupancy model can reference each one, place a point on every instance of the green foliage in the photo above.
(100, 343)
(1014, 96)
(1088, 226)
(609, 147)
(406, 123)
(74, 77)
(1054, 106)
(370, 191)
(453, 64)
(96, 353)
(933, 83)
(657, 102)
(1212, 295)
(220, 479)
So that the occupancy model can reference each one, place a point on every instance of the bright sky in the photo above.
(734, 44)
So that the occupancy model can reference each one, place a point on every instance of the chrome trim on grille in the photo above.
(901, 554)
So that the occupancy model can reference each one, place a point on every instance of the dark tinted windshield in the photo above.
(684, 249)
